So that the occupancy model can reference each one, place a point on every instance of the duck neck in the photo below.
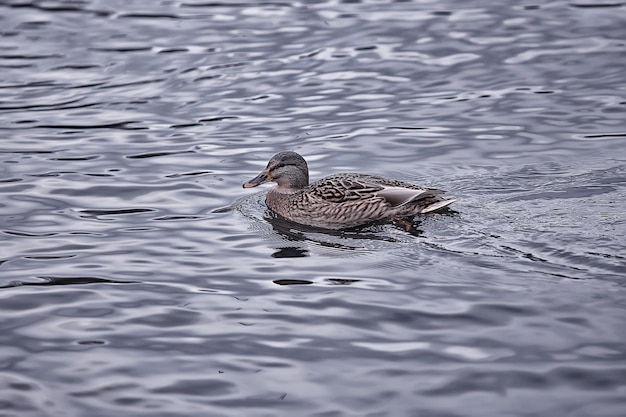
(296, 181)
(300, 181)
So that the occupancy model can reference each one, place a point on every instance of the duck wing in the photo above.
(399, 196)
(343, 188)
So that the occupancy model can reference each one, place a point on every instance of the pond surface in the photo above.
(138, 278)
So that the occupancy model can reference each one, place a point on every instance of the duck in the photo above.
(343, 200)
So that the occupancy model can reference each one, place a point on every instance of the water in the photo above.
(138, 278)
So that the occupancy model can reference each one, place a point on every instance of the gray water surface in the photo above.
(137, 277)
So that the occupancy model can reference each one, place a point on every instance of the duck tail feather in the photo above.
(438, 205)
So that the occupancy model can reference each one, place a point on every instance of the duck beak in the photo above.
(262, 178)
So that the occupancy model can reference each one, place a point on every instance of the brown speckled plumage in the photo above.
(340, 201)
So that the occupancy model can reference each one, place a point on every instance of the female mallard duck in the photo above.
(340, 201)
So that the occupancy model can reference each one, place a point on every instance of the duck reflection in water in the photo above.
(300, 237)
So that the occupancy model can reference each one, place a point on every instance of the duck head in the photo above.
(288, 169)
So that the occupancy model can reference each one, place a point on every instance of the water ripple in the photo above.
(138, 278)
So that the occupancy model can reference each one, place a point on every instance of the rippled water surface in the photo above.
(137, 277)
